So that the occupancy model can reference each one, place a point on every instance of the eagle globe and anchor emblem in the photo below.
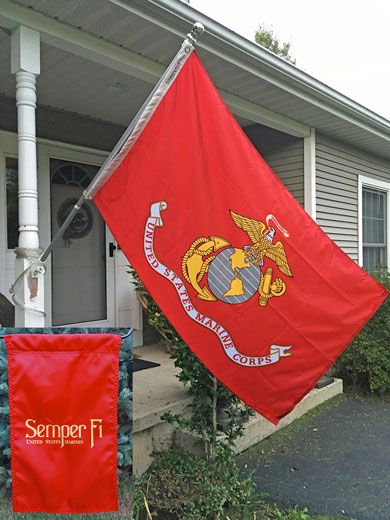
(217, 270)
(234, 275)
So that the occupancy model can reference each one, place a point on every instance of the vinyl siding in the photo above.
(283, 153)
(337, 169)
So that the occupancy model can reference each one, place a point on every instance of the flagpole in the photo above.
(131, 134)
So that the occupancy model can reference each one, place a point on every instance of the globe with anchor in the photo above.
(232, 274)
(231, 277)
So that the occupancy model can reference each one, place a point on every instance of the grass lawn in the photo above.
(124, 512)
(6, 514)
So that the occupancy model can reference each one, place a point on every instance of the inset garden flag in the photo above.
(63, 395)
(255, 288)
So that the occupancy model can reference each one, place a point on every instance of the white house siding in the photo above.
(337, 169)
(283, 153)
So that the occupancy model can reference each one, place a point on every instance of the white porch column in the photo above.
(25, 64)
(309, 152)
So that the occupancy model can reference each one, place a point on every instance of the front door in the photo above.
(80, 263)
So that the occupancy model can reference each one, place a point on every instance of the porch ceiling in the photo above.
(153, 30)
(69, 82)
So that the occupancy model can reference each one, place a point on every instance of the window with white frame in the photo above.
(375, 225)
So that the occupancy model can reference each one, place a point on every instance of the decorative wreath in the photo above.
(82, 222)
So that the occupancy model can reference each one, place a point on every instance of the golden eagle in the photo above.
(262, 246)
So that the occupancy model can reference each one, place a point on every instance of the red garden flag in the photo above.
(63, 394)
(259, 293)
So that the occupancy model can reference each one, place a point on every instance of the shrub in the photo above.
(217, 415)
(365, 364)
(184, 486)
(181, 486)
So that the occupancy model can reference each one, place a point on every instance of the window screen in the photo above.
(374, 229)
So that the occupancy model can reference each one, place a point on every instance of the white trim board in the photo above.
(382, 186)
(309, 168)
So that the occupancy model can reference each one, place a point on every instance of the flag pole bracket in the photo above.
(196, 31)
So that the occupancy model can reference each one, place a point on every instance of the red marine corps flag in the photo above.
(255, 288)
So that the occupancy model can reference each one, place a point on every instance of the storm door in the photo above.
(79, 281)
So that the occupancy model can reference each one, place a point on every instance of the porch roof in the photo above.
(90, 47)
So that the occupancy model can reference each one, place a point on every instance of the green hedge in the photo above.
(365, 364)
(124, 404)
